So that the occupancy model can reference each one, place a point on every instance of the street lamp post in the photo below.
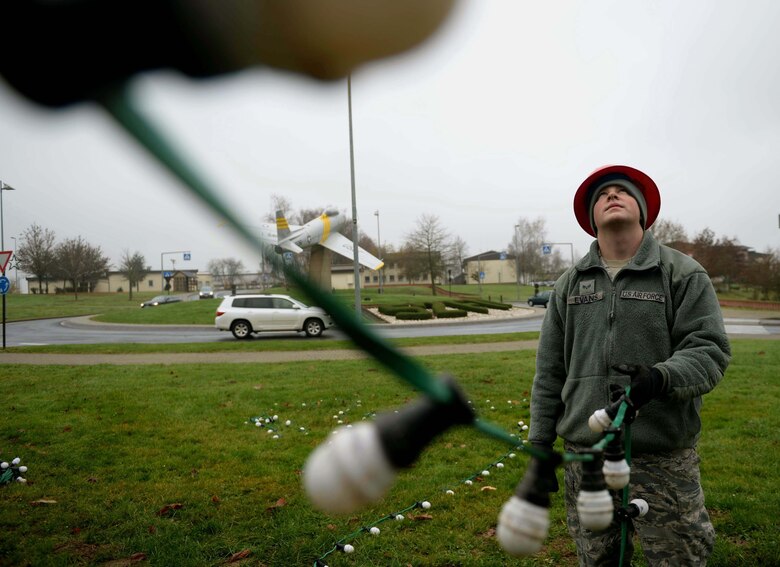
(378, 247)
(3, 187)
(16, 266)
(517, 262)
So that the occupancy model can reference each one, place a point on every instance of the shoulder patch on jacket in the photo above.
(589, 298)
(643, 295)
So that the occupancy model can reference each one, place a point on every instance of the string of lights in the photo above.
(374, 452)
(12, 472)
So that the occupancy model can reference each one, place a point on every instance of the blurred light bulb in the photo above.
(594, 504)
(350, 472)
(522, 527)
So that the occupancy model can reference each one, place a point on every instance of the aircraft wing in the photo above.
(340, 244)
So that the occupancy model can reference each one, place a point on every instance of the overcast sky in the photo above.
(499, 116)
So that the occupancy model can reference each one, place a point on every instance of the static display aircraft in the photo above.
(323, 231)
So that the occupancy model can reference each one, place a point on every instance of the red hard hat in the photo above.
(646, 185)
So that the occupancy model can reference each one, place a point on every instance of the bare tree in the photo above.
(279, 203)
(80, 263)
(427, 243)
(668, 231)
(526, 247)
(36, 254)
(133, 267)
(228, 270)
(456, 254)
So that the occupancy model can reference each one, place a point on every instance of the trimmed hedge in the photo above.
(467, 306)
(441, 311)
(414, 315)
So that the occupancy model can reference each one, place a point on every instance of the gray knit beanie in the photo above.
(632, 189)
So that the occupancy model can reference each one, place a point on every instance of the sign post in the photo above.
(5, 283)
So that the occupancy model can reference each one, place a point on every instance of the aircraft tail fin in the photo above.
(282, 226)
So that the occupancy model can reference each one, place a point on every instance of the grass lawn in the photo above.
(161, 463)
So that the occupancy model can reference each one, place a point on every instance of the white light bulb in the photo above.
(522, 527)
(512, 455)
(616, 473)
(348, 548)
(374, 530)
(426, 505)
(350, 472)
(288, 422)
(599, 421)
(22, 469)
(486, 473)
(641, 506)
(275, 417)
(16, 461)
(524, 428)
(400, 517)
(22, 480)
(4, 465)
(469, 482)
(499, 465)
(275, 437)
(450, 493)
(595, 509)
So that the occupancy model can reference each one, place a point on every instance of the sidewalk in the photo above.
(248, 357)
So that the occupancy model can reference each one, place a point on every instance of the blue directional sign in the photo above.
(187, 256)
(546, 249)
(482, 275)
(167, 274)
(5, 285)
(502, 256)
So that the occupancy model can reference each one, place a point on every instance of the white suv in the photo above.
(243, 315)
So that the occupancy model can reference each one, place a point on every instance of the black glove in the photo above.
(546, 472)
(647, 383)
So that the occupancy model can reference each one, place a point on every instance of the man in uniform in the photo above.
(632, 313)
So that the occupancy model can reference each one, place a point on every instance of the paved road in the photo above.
(82, 331)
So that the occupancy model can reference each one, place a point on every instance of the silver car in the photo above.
(243, 315)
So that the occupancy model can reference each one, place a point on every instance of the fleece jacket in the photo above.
(661, 311)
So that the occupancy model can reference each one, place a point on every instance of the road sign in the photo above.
(546, 249)
(187, 256)
(167, 275)
(502, 256)
(482, 275)
(5, 285)
(5, 256)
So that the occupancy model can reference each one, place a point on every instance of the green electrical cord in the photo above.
(120, 106)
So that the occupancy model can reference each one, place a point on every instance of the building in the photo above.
(490, 267)
(182, 281)
(342, 274)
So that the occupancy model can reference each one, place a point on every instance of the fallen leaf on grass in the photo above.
(243, 554)
(491, 533)
(42, 502)
(168, 508)
(215, 499)
(484, 488)
(279, 503)
(422, 517)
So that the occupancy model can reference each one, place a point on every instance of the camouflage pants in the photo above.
(676, 530)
